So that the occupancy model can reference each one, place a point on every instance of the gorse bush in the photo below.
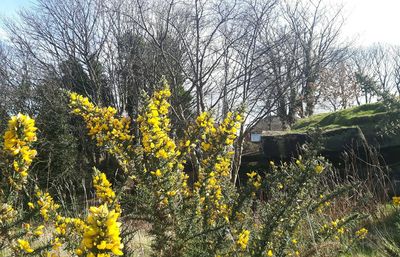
(98, 233)
(179, 187)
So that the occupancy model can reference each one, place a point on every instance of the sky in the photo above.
(367, 21)
(372, 21)
(9, 7)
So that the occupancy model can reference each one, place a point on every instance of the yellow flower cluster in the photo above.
(63, 223)
(47, 206)
(336, 228)
(361, 233)
(230, 126)
(324, 204)
(162, 158)
(216, 141)
(56, 243)
(215, 165)
(222, 135)
(104, 126)
(20, 134)
(101, 236)
(24, 246)
(101, 231)
(205, 122)
(243, 239)
(316, 165)
(103, 188)
(48, 210)
(255, 180)
(155, 125)
(38, 231)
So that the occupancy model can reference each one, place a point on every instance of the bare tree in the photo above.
(260, 57)
(362, 62)
(338, 87)
(317, 29)
(59, 31)
(382, 67)
(396, 68)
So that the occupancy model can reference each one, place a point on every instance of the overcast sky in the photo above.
(372, 21)
(368, 21)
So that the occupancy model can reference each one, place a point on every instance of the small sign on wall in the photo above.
(255, 137)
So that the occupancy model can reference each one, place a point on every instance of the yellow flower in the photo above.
(257, 184)
(319, 169)
(110, 131)
(215, 165)
(252, 174)
(78, 252)
(24, 245)
(269, 253)
(39, 230)
(157, 173)
(102, 231)
(171, 193)
(20, 134)
(205, 146)
(56, 244)
(396, 200)
(362, 233)
(103, 188)
(26, 226)
(335, 223)
(47, 205)
(243, 239)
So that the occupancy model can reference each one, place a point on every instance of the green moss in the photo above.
(309, 122)
(367, 117)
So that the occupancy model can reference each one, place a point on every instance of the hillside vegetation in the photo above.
(368, 117)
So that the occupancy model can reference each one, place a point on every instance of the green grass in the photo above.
(380, 228)
(365, 116)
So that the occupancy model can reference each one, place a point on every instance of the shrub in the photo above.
(279, 213)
